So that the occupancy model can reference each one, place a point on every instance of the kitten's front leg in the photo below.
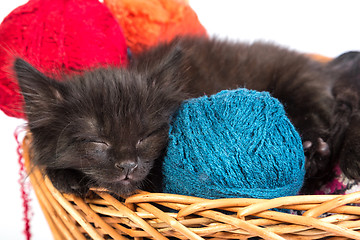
(317, 149)
(69, 181)
(349, 156)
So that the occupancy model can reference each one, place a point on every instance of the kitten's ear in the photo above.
(36, 88)
(167, 72)
(174, 57)
(345, 61)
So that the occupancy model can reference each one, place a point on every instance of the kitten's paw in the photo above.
(317, 155)
(68, 181)
(320, 148)
(318, 164)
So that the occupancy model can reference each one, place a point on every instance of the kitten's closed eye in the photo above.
(151, 146)
(96, 147)
(97, 142)
(148, 138)
(91, 139)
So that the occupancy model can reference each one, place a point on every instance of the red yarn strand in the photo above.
(24, 186)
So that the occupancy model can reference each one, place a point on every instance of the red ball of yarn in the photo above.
(148, 22)
(54, 36)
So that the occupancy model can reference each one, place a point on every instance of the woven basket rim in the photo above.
(161, 215)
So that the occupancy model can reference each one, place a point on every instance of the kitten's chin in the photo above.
(124, 188)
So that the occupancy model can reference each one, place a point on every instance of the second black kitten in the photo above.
(345, 126)
(108, 127)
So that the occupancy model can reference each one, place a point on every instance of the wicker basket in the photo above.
(163, 216)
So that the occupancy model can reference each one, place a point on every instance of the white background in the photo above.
(326, 27)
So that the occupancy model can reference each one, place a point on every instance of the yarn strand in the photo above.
(24, 187)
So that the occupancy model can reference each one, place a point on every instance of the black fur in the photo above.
(88, 129)
(345, 127)
(108, 127)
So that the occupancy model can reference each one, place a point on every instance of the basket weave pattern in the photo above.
(160, 216)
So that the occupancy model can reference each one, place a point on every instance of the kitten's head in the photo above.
(109, 123)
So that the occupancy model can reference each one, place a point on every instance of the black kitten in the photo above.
(345, 127)
(104, 128)
(108, 127)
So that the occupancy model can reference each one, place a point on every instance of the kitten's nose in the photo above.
(127, 166)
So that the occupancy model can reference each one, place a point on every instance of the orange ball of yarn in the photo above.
(148, 22)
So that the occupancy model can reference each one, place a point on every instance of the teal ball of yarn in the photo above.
(237, 143)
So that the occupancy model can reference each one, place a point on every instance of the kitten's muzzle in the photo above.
(127, 166)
